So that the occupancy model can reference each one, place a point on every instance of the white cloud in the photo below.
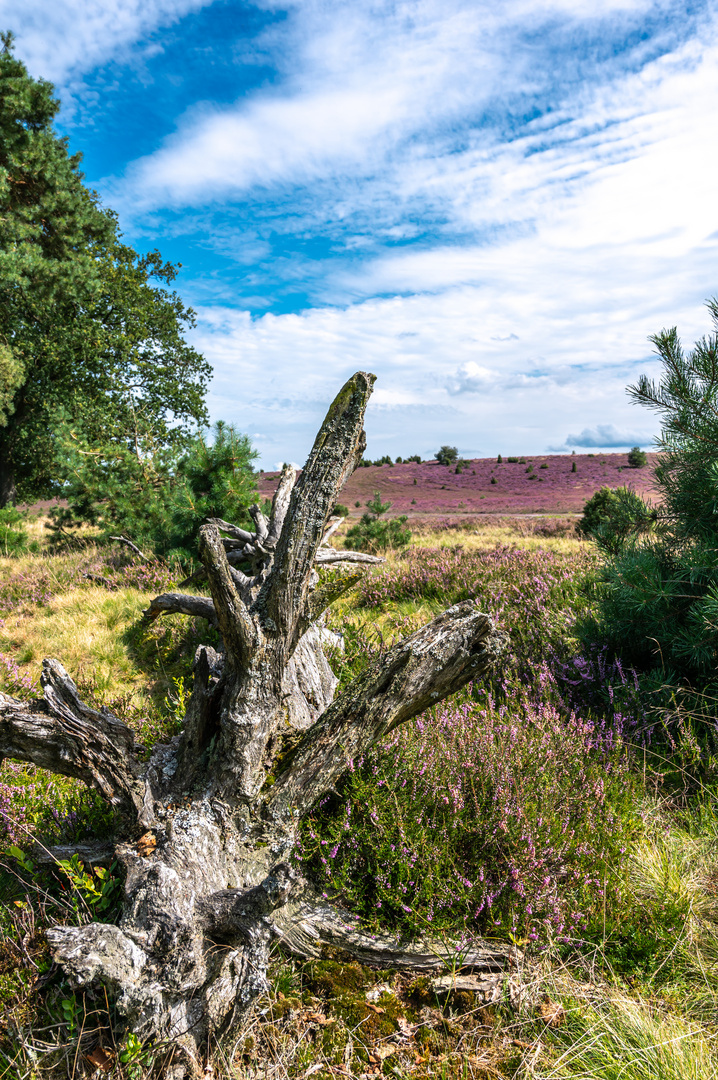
(67, 38)
(384, 92)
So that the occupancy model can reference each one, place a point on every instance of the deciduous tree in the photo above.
(85, 336)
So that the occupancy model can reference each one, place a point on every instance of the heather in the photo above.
(502, 809)
(495, 817)
(547, 484)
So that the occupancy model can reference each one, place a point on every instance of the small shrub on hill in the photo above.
(447, 455)
(375, 533)
(637, 458)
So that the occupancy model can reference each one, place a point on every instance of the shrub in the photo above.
(613, 516)
(158, 499)
(414, 457)
(13, 534)
(477, 813)
(447, 455)
(374, 533)
(340, 510)
(637, 458)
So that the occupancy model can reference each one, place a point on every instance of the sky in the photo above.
(491, 206)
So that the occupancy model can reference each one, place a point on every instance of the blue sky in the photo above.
(491, 206)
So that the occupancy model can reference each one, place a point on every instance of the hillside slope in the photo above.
(538, 484)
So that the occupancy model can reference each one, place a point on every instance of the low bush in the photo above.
(614, 516)
(495, 817)
(13, 534)
(374, 532)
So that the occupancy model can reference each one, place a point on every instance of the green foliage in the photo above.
(95, 891)
(340, 510)
(155, 496)
(613, 516)
(386, 460)
(448, 822)
(637, 458)
(414, 457)
(447, 455)
(13, 535)
(85, 336)
(659, 601)
(499, 460)
(573, 467)
(374, 533)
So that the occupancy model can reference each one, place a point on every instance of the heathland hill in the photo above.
(534, 484)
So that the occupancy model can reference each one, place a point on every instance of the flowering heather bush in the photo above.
(495, 816)
(27, 590)
(55, 810)
(115, 572)
(13, 680)
(534, 595)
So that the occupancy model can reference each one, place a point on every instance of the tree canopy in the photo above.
(86, 338)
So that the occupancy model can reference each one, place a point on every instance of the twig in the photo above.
(129, 544)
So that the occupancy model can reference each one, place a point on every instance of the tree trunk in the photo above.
(8, 493)
(215, 811)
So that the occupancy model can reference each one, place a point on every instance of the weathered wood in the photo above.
(331, 462)
(234, 530)
(326, 556)
(280, 505)
(440, 658)
(184, 604)
(63, 735)
(207, 888)
(91, 854)
(306, 925)
(239, 632)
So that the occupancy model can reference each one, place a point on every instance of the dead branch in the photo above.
(459, 645)
(62, 734)
(133, 547)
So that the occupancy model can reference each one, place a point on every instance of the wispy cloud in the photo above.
(413, 99)
(64, 39)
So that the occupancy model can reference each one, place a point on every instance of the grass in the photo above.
(538, 789)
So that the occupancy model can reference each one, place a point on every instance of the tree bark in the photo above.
(209, 884)
(8, 491)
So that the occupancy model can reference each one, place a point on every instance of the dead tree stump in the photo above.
(215, 811)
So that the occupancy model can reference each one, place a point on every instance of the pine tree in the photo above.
(660, 604)
(85, 338)
(158, 497)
